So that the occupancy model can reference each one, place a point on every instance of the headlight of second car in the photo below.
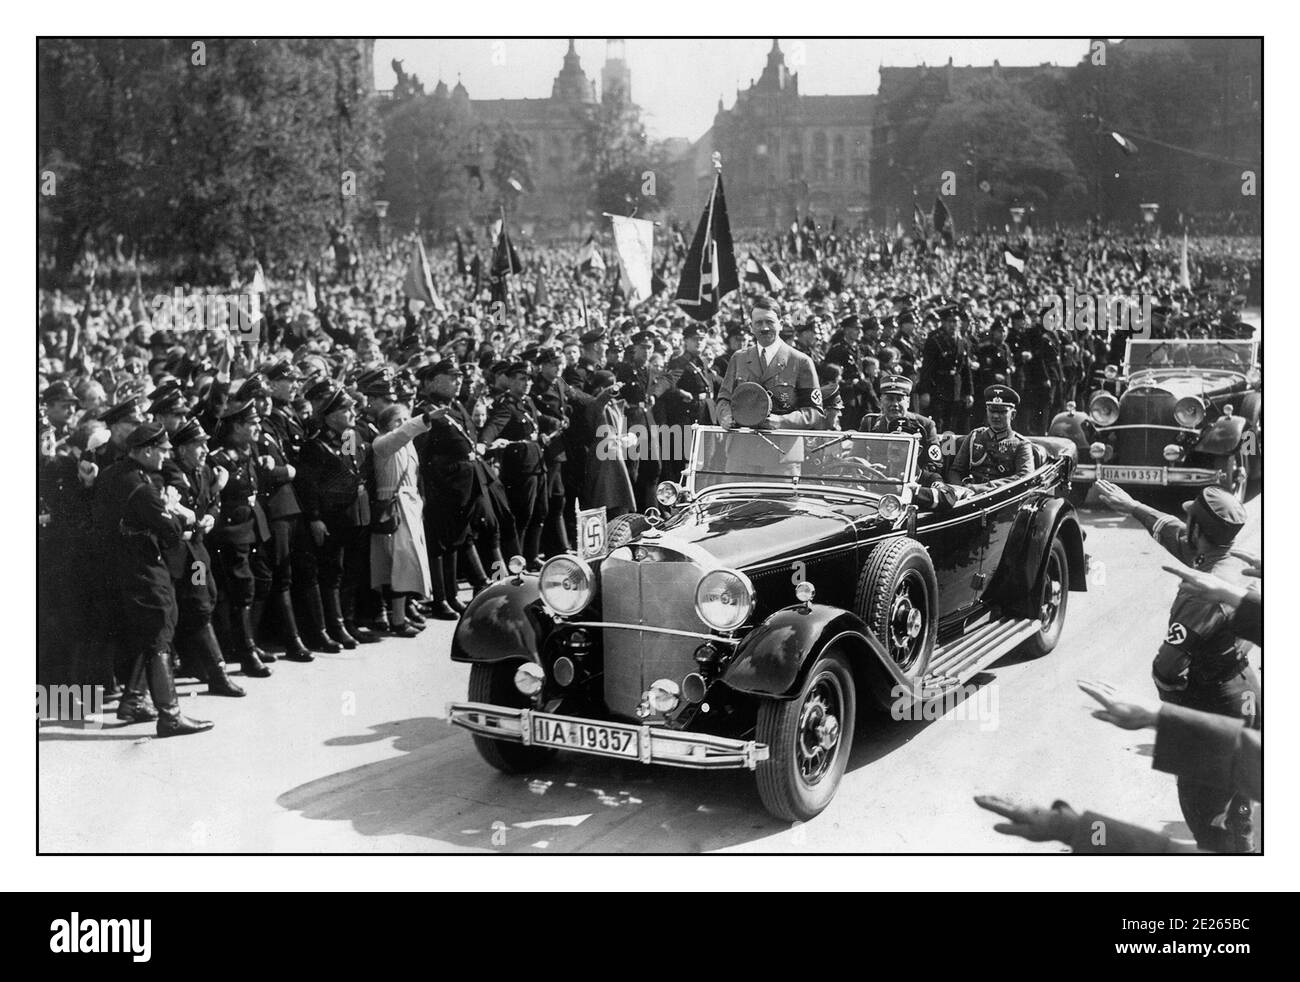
(1189, 411)
(1104, 409)
(567, 584)
(724, 599)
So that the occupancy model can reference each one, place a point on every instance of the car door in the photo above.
(954, 539)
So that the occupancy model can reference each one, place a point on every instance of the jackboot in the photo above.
(532, 546)
(250, 655)
(334, 619)
(258, 612)
(208, 653)
(163, 689)
(316, 636)
(348, 602)
(294, 649)
(132, 708)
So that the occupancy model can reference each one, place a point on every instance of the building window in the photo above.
(859, 172)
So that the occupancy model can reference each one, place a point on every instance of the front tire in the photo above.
(1052, 596)
(809, 739)
(493, 683)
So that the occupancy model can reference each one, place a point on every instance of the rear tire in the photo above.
(493, 683)
(898, 599)
(1052, 598)
(809, 739)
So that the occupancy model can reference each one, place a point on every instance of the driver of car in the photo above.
(895, 391)
(989, 456)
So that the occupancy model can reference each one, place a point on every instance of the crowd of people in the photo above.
(326, 461)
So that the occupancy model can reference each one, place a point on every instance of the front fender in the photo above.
(1025, 554)
(1223, 436)
(1075, 426)
(775, 657)
(507, 620)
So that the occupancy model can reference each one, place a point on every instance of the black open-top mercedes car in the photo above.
(789, 584)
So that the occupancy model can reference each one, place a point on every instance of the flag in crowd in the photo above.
(942, 220)
(761, 273)
(589, 258)
(419, 278)
(634, 244)
(709, 273)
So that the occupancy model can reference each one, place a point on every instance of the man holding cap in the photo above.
(789, 376)
(1201, 664)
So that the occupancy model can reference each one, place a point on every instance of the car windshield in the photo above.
(1175, 353)
(872, 463)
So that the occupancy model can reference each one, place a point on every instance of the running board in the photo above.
(955, 663)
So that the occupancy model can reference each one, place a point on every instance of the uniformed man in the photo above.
(996, 363)
(148, 521)
(455, 484)
(904, 342)
(995, 454)
(240, 533)
(592, 359)
(1042, 373)
(856, 389)
(737, 337)
(275, 474)
(330, 486)
(690, 400)
(514, 419)
(895, 417)
(60, 405)
(789, 376)
(555, 400)
(193, 578)
(1202, 664)
(946, 387)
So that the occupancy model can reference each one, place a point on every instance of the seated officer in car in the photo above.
(989, 456)
(895, 417)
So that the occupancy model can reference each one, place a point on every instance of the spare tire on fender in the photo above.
(898, 599)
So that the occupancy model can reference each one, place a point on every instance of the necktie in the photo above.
(762, 362)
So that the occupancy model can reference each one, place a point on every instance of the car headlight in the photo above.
(1189, 411)
(667, 494)
(1104, 409)
(890, 507)
(724, 599)
(529, 678)
(566, 584)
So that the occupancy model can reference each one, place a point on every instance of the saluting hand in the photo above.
(220, 475)
(1031, 822)
(1125, 711)
(1116, 498)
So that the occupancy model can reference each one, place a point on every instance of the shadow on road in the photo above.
(441, 791)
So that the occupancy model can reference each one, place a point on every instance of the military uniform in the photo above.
(193, 577)
(946, 379)
(129, 502)
(790, 379)
(997, 366)
(689, 402)
(331, 489)
(930, 462)
(555, 400)
(987, 459)
(1042, 374)
(523, 468)
(1202, 664)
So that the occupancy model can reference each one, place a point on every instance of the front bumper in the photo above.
(656, 745)
(1162, 476)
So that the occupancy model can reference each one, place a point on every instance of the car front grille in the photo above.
(1141, 446)
(656, 593)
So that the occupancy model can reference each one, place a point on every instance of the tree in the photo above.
(617, 156)
(1012, 143)
(204, 154)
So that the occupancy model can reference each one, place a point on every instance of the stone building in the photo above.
(783, 153)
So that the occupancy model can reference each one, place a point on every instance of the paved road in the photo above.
(352, 753)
